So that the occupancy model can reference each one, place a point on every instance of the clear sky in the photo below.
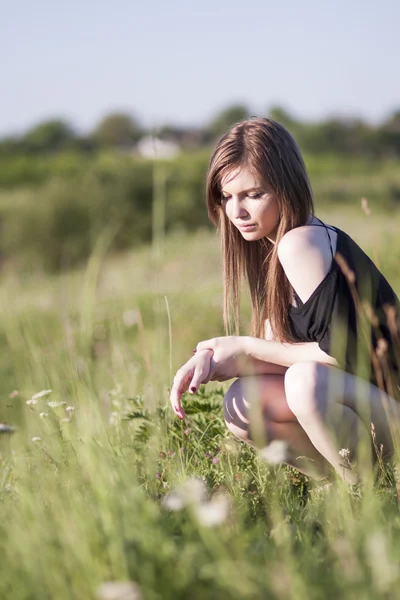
(181, 61)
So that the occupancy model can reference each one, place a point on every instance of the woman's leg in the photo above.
(278, 421)
(336, 410)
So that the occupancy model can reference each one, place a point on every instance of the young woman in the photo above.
(320, 364)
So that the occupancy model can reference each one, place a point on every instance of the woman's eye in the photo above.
(224, 198)
(255, 196)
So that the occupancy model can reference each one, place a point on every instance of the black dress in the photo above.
(348, 315)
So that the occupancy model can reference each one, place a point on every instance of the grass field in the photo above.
(88, 476)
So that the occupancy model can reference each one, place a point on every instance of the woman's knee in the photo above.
(301, 384)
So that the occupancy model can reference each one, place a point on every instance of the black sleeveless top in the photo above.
(336, 315)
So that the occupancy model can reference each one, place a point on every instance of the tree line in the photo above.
(122, 131)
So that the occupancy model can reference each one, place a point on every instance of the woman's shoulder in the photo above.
(316, 238)
(307, 254)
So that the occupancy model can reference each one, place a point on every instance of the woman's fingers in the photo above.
(180, 385)
(191, 375)
(206, 345)
(199, 376)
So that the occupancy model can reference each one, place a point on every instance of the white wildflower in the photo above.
(173, 501)
(4, 428)
(54, 404)
(65, 420)
(213, 513)
(36, 439)
(69, 408)
(117, 390)
(344, 452)
(119, 590)
(193, 491)
(41, 394)
(275, 453)
(42, 415)
(31, 401)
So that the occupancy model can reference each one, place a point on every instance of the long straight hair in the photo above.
(268, 151)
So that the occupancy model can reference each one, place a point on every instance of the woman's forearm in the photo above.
(241, 366)
(255, 366)
(284, 354)
(239, 356)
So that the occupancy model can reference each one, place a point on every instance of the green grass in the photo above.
(83, 504)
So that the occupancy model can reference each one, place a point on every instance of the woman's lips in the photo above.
(246, 227)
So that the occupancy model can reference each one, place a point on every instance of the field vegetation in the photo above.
(100, 483)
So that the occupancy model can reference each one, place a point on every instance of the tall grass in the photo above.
(88, 477)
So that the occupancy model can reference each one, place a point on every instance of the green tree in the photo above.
(389, 135)
(10, 145)
(118, 130)
(280, 114)
(228, 117)
(48, 136)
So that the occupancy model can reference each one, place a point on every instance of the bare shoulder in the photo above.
(307, 239)
(305, 254)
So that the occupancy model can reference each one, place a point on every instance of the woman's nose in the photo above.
(238, 209)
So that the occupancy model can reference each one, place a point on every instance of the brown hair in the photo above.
(268, 150)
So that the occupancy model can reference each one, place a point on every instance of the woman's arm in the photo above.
(226, 367)
(245, 353)
(285, 354)
(223, 368)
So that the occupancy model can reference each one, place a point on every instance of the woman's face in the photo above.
(250, 205)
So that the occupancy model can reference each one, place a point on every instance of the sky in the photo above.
(182, 61)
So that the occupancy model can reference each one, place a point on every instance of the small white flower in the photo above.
(275, 453)
(117, 390)
(213, 513)
(42, 415)
(41, 394)
(344, 452)
(173, 501)
(36, 439)
(31, 401)
(69, 408)
(54, 404)
(119, 590)
(65, 420)
(6, 428)
(193, 491)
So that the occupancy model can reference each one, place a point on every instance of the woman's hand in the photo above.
(228, 359)
(190, 375)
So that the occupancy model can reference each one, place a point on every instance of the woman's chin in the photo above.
(251, 236)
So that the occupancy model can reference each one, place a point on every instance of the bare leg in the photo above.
(336, 410)
(278, 421)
